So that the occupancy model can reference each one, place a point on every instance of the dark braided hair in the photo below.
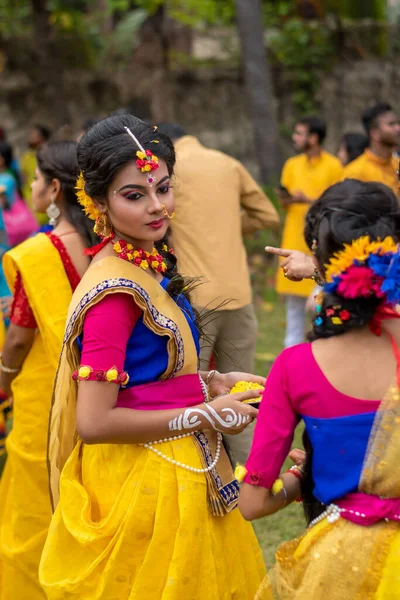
(57, 160)
(105, 149)
(344, 213)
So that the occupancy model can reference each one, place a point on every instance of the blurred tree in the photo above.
(259, 86)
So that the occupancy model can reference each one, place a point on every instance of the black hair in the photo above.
(172, 130)
(355, 144)
(6, 154)
(345, 212)
(44, 131)
(105, 149)
(371, 115)
(57, 160)
(315, 125)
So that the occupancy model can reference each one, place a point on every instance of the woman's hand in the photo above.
(296, 266)
(229, 414)
(222, 383)
(298, 457)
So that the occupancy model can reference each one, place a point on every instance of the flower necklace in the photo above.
(140, 257)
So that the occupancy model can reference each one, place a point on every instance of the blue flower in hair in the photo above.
(318, 321)
(330, 288)
(380, 263)
(391, 283)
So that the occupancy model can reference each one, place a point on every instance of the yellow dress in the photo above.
(343, 560)
(313, 177)
(25, 509)
(128, 524)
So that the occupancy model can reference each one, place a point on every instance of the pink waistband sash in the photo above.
(178, 392)
(364, 509)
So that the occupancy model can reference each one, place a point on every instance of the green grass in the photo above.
(289, 523)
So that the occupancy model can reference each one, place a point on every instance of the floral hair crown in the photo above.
(364, 268)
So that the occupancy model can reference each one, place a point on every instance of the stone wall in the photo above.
(208, 100)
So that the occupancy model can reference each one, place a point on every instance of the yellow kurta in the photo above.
(128, 525)
(25, 509)
(313, 177)
(370, 167)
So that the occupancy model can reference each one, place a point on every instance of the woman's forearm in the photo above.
(16, 348)
(257, 502)
(99, 420)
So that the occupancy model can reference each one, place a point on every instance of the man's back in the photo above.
(216, 201)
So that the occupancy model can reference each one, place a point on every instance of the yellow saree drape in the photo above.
(127, 524)
(25, 510)
(342, 560)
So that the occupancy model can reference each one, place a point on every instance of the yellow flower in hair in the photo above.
(342, 260)
(84, 200)
(163, 266)
(84, 372)
(141, 155)
(112, 375)
(144, 264)
(337, 321)
(382, 247)
(146, 168)
(154, 158)
(117, 247)
(165, 247)
(154, 264)
(240, 473)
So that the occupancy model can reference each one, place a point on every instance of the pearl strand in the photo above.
(149, 446)
(332, 514)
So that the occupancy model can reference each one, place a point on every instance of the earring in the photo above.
(103, 227)
(314, 246)
(53, 212)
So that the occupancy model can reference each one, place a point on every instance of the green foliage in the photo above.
(305, 51)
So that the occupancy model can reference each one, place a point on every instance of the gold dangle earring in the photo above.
(103, 227)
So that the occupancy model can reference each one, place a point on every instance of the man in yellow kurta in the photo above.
(377, 163)
(304, 178)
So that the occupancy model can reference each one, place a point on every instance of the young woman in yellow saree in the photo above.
(43, 272)
(143, 489)
(345, 386)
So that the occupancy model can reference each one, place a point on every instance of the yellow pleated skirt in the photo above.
(25, 508)
(337, 561)
(130, 525)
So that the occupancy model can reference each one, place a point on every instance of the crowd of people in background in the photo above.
(46, 246)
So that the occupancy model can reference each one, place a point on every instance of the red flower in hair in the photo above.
(344, 315)
(360, 282)
(330, 312)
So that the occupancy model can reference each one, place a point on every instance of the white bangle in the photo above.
(284, 499)
(210, 375)
(7, 369)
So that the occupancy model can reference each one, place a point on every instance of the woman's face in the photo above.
(41, 192)
(135, 208)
